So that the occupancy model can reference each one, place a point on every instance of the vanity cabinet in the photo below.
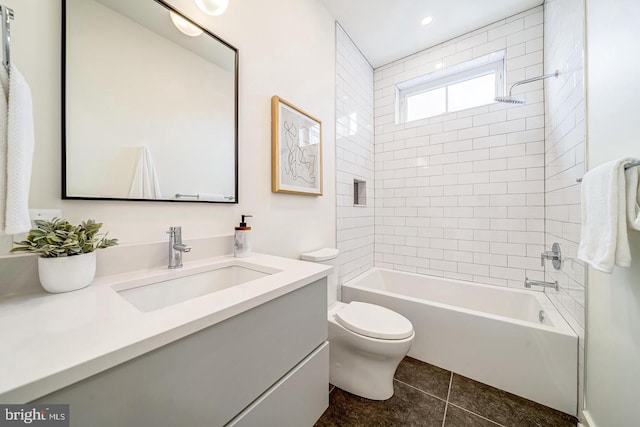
(267, 366)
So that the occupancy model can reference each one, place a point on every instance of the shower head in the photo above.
(509, 100)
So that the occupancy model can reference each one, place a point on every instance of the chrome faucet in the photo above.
(528, 283)
(176, 247)
(555, 255)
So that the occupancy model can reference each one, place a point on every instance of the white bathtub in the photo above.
(487, 333)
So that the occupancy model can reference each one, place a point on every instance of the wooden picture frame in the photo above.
(296, 150)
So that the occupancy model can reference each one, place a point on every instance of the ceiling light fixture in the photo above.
(212, 7)
(184, 25)
(426, 21)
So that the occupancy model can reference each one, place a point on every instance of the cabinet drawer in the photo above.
(297, 400)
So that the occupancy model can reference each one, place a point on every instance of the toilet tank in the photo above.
(327, 256)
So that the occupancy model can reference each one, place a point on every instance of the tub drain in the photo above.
(541, 316)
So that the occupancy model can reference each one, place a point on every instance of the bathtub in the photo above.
(511, 339)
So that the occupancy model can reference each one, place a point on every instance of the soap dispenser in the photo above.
(242, 239)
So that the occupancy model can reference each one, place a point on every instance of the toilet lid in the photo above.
(374, 321)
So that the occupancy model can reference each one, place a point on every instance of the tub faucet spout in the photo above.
(176, 247)
(528, 283)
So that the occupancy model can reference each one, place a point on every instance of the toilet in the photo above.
(366, 341)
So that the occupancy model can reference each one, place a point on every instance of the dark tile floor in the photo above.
(426, 395)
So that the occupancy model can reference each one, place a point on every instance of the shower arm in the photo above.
(534, 79)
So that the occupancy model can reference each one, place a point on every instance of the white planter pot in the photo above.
(66, 274)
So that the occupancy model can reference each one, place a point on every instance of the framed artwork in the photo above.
(296, 150)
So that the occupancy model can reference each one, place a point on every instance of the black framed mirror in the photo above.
(150, 105)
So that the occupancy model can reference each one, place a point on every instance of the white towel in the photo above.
(145, 184)
(20, 142)
(4, 89)
(633, 197)
(603, 239)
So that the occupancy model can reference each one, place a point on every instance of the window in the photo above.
(467, 85)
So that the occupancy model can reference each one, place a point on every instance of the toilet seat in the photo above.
(374, 321)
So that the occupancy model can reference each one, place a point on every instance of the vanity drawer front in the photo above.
(299, 399)
(209, 377)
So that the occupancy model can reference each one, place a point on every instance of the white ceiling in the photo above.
(387, 30)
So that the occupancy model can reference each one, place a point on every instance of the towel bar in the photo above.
(197, 196)
(627, 166)
(7, 15)
(194, 196)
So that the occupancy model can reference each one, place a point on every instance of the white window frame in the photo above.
(490, 64)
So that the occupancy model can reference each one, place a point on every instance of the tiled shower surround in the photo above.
(565, 156)
(476, 194)
(354, 157)
(461, 195)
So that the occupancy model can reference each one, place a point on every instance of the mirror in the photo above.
(149, 112)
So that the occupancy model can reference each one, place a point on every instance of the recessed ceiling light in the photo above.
(427, 20)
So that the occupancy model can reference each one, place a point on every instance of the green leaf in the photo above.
(59, 238)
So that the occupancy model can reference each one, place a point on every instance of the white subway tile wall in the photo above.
(565, 156)
(355, 158)
(480, 193)
(461, 195)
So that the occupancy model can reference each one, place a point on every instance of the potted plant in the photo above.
(67, 252)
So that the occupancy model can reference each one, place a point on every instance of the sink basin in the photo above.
(162, 292)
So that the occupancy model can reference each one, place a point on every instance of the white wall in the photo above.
(461, 195)
(613, 301)
(286, 49)
(354, 157)
(565, 157)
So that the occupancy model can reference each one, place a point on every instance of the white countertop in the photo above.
(50, 341)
